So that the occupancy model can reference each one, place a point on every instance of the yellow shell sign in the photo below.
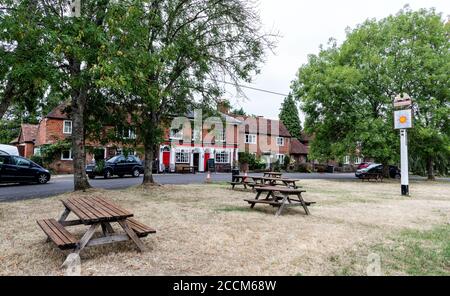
(403, 119)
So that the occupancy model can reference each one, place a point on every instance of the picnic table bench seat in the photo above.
(58, 234)
(139, 228)
(374, 176)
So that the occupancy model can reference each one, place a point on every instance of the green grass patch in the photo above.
(416, 252)
(409, 252)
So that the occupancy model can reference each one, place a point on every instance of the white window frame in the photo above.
(220, 136)
(280, 158)
(70, 155)
(182, 156)
(130, 134)
(176, 136)
(278, 141)
(64, 127)
(250, 138)
(224, 157)
(346, 160)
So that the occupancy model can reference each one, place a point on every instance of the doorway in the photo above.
(196, 161)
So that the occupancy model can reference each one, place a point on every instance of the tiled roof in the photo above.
(263, 126)
(58, 112)
(298, 148)
(28, 132)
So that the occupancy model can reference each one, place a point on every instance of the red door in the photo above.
(206, 161)
(166, 159)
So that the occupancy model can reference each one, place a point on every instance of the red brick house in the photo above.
(182, 146)
(26, 140)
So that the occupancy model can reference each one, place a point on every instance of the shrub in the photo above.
(37, 159)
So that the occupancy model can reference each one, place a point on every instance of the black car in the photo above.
(17, 169)
(394, 171)
(119, 165)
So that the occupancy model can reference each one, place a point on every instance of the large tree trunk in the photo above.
(79, 98)
(386, 170)
(7, 98)
(148, 164)
(430, 169)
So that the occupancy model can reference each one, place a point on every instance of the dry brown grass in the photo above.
(210, 230)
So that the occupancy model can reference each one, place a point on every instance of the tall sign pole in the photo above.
(404, 161)
(403, 120)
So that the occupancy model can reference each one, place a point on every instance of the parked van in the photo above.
(8, 150)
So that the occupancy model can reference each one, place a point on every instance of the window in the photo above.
(37, 151)
(66, 155)
(250, 139)
(67, 128)
(280, 141)
(125, 133)
(132, 159)
(220, 136)
(222, 157)
(22, 162)
(347, 160)
(176, 134)
(280, 158)
(182, 157)
(4, 159)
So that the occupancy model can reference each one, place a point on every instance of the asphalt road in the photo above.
(62, 184)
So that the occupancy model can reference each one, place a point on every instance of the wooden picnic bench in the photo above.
(272, 174)
(188, 170)
(280, 197)
(94, 212)
(241, 180)
(372, 176)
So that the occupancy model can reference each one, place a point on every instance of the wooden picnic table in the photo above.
(94, 212)
(280, 197)
(276, 181)
(273, 174)
(240, 180)
(188, 169)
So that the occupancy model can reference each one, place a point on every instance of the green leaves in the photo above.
(346, 92)
(289, 116)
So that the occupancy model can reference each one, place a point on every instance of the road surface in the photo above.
(62, 184)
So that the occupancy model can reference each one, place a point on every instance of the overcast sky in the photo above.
(303, 26)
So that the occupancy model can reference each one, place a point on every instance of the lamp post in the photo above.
(403, 120)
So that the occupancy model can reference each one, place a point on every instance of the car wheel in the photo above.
(42, 179)
(108, 174)
(91, 176)
(136, 173)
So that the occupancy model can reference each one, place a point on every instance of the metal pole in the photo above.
(404, 161)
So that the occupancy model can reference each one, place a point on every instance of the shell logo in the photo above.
(403, 119)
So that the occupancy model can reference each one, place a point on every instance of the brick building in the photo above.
(220, 138)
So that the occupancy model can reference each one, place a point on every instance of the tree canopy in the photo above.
(169, 56)
(289, 116)
(347, 91)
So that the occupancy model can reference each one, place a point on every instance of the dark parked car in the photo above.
(17, 169)
(119, 165)
(394, 171)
